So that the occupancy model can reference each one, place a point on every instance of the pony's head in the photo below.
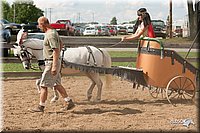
(24, 55)
(21, 36)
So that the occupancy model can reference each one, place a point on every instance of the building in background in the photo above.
(186, 29)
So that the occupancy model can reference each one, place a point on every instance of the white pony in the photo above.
(82, 55)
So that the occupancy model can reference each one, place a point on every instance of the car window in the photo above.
(36, 36)
(159, 23)
(4, 21)
(90, 28)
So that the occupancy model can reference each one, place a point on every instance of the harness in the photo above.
(62, 58)
(91, 54)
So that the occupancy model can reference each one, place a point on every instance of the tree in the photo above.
(21, 11)
(192, 16)
(113, 21)
(6, 9)
(133, 22)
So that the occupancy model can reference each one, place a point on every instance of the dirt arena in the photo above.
(122, 109)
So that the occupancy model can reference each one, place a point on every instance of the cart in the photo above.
(166, 73)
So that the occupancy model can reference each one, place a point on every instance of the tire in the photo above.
(5, 52)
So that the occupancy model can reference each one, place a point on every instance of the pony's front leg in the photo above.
(56, 96)
(38, 85)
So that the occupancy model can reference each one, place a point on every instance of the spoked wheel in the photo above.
(180, 89)
(156, 92)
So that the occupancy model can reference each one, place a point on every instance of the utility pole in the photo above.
(45, 12)
(14, 13)
(170, 19)
(79, 17)
(50, 14)
(93, 16)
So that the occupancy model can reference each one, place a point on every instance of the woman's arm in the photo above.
(137, 34)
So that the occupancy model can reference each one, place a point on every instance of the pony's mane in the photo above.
(33, 43)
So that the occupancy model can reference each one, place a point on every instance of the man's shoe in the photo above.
(39, 108)
(70, 105)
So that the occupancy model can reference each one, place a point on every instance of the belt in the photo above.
(48, 59)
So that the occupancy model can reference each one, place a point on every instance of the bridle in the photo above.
(26, 56)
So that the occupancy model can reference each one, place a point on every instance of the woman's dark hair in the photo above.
(146, 18)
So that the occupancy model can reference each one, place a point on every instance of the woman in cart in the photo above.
(143, 26)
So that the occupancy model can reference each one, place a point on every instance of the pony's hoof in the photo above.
(97, 100)
(89, 98)
(54, 99)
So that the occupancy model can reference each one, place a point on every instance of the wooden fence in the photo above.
(100, 42)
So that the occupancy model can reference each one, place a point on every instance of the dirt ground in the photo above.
(122, 109)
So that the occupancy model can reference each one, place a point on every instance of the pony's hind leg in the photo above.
(96, 78)
(90, 90)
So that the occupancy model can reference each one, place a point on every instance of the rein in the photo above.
(115, 44)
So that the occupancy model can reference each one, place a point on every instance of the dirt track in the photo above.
(122, 109)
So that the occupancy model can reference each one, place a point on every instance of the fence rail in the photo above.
(103, 42)
(114, 59)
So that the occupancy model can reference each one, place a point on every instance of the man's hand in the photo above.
(53, 71)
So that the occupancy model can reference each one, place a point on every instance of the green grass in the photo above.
(123, 53)
(16, 67)
(177, 40)
(127, 64)
(134, 54)
(191, 54)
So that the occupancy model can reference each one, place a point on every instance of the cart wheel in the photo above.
(156, 92)
(180, 89)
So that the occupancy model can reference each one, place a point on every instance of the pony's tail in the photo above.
(107, 63)
(108, 81)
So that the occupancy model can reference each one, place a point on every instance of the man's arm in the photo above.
(56, 55)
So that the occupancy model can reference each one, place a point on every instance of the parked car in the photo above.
(178, 31)
(38, 35)
(130, 29)
(90, 31)
(64, 27)
(122, 30)
(31, 27)
(12, 27)
(5, 34)
(5, 38)
(159, 28)
(79, 31)
(103, 31)
(112, 30)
